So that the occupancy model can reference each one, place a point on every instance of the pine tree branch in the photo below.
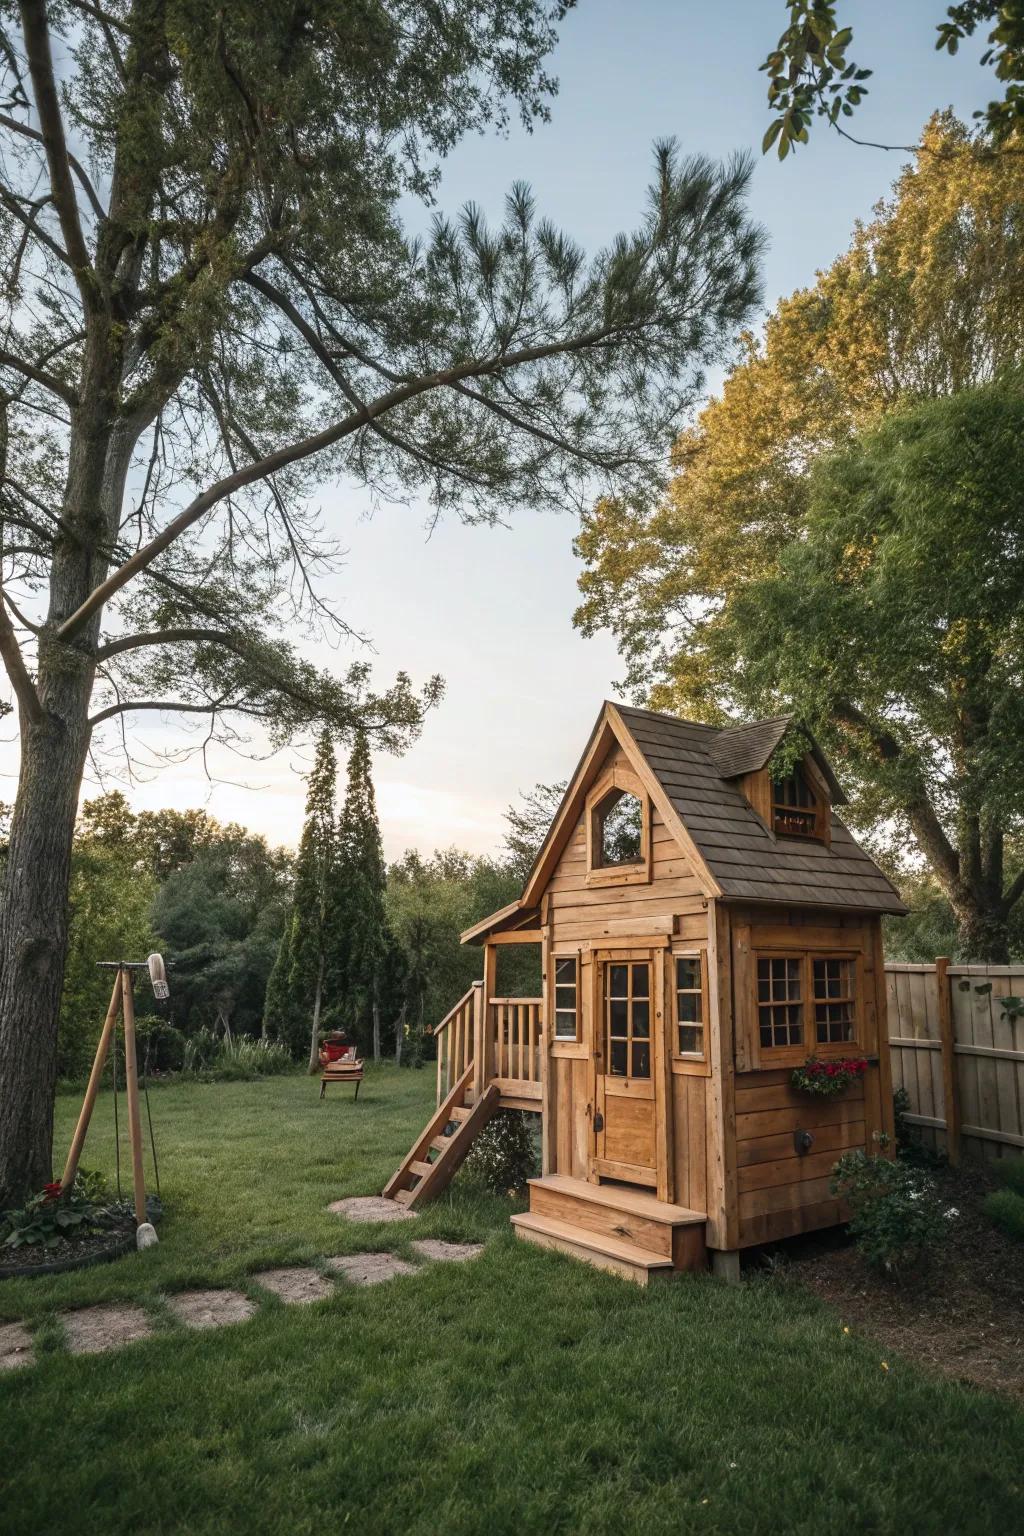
(25, 690)
(308, 447)
(36, 31)
(38, 376)
(75, 164)
(176, 636)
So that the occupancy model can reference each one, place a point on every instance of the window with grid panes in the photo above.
(835, 1018)
(567, 997)
(780, 1009)
(628, 1019)
(689, 1005)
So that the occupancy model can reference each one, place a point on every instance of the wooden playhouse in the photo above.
(704, 927)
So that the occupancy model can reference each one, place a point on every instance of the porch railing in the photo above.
(501, 1036)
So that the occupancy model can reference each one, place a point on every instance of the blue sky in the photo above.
(491, 609)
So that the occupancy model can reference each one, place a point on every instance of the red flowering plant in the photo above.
(826, 1079)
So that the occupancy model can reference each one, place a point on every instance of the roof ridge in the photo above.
(660, 714)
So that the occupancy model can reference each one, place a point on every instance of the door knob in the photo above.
(599, 1121)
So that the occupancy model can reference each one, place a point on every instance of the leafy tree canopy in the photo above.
(811, 75)
(928, 299)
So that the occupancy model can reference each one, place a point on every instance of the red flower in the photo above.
(52, 1191)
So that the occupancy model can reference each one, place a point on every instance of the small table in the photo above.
(342, 1072)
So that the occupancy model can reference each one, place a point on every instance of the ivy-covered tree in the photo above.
(811, 75)
(305, 964)
(210, 303)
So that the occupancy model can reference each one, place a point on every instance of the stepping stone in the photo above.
(433, 1248)
(15, 1346)
(210, 1309)
(369, 1268)
(297, 1286)
(371, 1208)
(95, 1329)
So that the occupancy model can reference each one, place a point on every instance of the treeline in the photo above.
(265, 943)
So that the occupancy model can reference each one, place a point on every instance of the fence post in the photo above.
(950, 1074)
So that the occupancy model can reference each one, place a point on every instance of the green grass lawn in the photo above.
(520, 1392)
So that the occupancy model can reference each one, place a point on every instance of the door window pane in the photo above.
(641, 1018)
(641, 980)
(641, 1058)
(618, 1057)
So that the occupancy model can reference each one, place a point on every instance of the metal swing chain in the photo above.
(117, 1128)
(149, 1116)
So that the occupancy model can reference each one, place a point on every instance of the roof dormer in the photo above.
(792, 790)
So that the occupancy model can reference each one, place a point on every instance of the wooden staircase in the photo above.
(439, 1151)
(613, 1226)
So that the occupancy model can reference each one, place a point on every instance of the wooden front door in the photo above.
(626, 1102)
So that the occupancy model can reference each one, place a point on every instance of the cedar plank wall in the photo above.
(577, 915)
(780, 1192)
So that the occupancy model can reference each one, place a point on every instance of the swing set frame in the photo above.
(122, 1003)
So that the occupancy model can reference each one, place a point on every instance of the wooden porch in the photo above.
(501, 1038)
(490, 1056)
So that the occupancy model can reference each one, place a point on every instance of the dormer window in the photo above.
(797, 811)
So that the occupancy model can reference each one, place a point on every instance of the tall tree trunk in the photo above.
(984, 929)
(376, 1023)
(33, 942)
(399, 1036)
(318, 997)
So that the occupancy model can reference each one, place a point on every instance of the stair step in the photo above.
(460, 1113)
(419, 1168)
(618, 1197)
(442, 1143)
(605, 1252)
(403, 1196)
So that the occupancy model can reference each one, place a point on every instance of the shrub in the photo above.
(161, 1046)
(504, 1155)
(1005, 1209)
(209, 1056)
(49, 1217)
(1010, 1173)
(897, 1217)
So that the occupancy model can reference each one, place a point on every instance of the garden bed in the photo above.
(962, 1316)
(65, 1254)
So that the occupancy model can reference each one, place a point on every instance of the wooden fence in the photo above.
(958, 1050)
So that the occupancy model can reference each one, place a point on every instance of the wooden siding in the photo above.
(780, 1191)
(578, 919)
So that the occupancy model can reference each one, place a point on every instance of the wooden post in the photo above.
(487, 992)
(88, 1103)
(479, 1047)
(131, 1074)
(950, 1074)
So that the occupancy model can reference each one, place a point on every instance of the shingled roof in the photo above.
(695, 766)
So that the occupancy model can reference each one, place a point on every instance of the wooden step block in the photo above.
(609, 1253)
(460, 1113)
(625, 1214)
(442, 1143)
(419, 1169)
(403, 1196)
